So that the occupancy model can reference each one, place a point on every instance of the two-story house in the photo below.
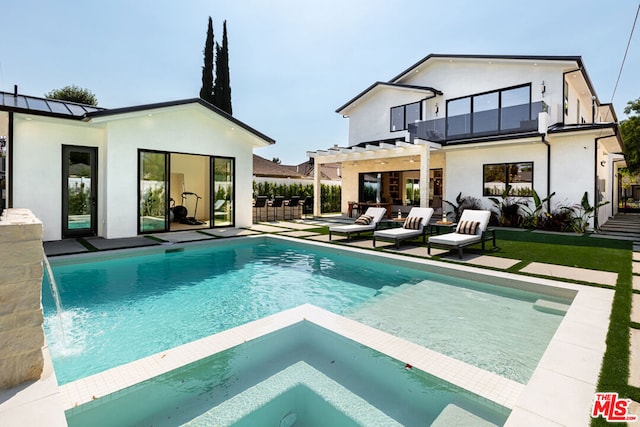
(474, 124)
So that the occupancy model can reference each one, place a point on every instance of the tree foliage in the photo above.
(630, 130)
(222, 86)
(73, 93)
(206, 92)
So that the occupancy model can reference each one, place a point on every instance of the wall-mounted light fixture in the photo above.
(543, 88)
(436, 109)
(603, 163)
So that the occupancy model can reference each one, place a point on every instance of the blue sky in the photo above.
(294, 62)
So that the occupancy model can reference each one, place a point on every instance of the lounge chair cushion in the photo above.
(468, 227)
(413, 223)
(455, 239)
(364, 219)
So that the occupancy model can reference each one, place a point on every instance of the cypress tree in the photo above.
(206, 92)
(222, 87)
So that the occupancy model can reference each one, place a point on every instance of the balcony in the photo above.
(500, 121)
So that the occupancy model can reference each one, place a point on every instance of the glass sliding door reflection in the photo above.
(79, 191)
(152, 192)
(223, 179)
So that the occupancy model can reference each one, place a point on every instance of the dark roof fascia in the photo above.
(155, 106)
(389, 84)
(583, 127)
(577, 59)
(40, 113)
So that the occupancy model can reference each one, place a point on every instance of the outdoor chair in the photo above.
(367, 222)
(217, 208)
(471, 229)
(278, 203)
(307, 206)
(294, 205)
(260, 204)
(416, 224)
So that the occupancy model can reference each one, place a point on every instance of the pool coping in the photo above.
(560, 391)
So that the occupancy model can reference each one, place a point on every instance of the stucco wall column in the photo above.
(424, 176)
(317, 188)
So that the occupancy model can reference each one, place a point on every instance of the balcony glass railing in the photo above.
(500, 121)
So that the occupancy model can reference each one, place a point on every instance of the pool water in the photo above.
(121, 309)
(303, 373)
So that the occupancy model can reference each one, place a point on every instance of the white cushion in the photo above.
(394, 233)
(352, 228)
(454, 239)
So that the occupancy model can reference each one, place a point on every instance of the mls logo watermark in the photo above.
(612, 408)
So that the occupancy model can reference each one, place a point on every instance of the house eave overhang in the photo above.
(428, 58)
(426, 90)
(606, 133)
(140, 110)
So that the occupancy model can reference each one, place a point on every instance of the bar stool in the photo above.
(294, 203)
(261, 203)
(278, 202)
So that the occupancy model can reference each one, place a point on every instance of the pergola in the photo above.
(374, 151)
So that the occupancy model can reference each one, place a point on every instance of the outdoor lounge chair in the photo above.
(416, 224)
(471, 229)
(367, 222)
(218, 206)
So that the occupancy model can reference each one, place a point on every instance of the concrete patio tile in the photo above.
(520, 417)
(325, 238)
(484, 260)
(584, 363)
(582, 334)
(102, 244)
(636, 256)
(414, 250)
(557, 397)
(298, 233)
(634, 409)
(634, 359)
(635, 308)
(267, 228)
(230, 232)
(635, 282)
(635, 267)
(183, 236)
(368, 244)
(294, 225)
(572, 273)
(63, 247)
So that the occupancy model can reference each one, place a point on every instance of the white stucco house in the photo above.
(473, 124)
(87, 171)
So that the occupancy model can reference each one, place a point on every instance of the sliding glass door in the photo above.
(179, 191)
(152, 191)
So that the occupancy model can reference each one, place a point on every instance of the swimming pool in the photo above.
(124, 307)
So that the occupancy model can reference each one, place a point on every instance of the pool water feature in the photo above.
(161, 300)
(302, 371)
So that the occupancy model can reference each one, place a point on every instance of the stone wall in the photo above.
(21, 318)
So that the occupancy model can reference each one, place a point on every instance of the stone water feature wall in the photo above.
(21, 318)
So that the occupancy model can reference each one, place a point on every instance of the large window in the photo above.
(403, 115)
(489, 113)
(496, 178)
